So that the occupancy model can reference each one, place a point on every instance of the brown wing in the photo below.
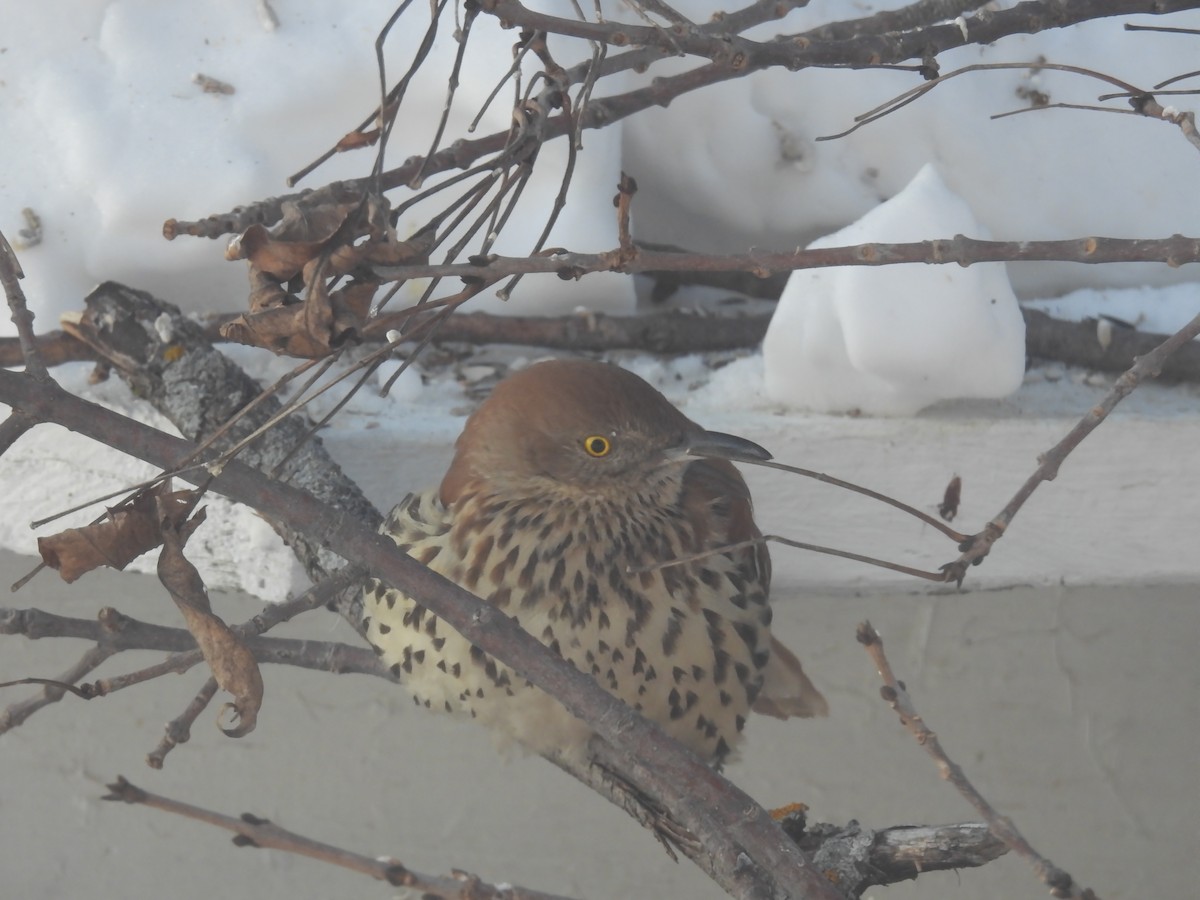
(717, 486)
(787, 690)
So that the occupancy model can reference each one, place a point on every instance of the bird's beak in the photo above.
(717, 445)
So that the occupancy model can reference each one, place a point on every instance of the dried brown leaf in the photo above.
(948, 508)
(127, 533)
(286, 330)
(311, 328)
(302, 234)
(231, 662)
(267, 293)
(356, 140)
(414, 251)
(351, 304)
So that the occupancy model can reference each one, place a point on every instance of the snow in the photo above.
(895, 339)
(740, 163)
(107, 134)
(1153, 310)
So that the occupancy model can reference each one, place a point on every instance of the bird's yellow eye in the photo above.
(597, 445)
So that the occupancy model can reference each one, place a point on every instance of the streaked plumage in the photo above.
(571, 479)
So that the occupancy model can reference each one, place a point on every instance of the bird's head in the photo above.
(580, 426)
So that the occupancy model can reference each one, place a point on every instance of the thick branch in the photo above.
(743, 848)
(168, 361)
(684, 331)
(863, 857)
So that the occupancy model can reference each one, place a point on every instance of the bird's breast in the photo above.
(683, 644)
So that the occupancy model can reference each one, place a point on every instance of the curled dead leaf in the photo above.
(309, 328)
(125, 534)
(231, 662)
(303, 233)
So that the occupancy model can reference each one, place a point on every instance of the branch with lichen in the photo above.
(703, 803)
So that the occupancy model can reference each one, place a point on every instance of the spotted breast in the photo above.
(570, 489)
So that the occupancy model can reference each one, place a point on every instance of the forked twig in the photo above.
(1147, 366)
(179, 729)
(925, 517)
(114, 633)
(55, 688)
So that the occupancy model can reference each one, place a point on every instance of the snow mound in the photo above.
(895, 339)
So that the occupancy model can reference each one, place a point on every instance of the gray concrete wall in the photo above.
(1074, 709)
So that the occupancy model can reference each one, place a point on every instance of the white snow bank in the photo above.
(1157, 311)
(106, 135)
(738, 164)
(893, 340)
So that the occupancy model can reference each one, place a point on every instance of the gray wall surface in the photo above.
(1074, 710)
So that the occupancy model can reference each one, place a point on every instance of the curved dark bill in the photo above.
(724, 446)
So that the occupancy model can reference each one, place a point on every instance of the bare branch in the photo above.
(793, 52)
(118, 632)
(1144, 367)
(863, 857)
(917, 15)
(179, 729)
(1060, 883)
(17, 713)
(960, 250)
(251, 831)
(743, 848)
(686, 331)
(10, 277)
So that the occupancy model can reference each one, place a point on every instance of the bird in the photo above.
(573, 488)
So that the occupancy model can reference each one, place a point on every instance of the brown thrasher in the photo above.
(569, 487)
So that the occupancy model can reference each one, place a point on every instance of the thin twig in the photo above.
(10, 277)
(959, 250)
(252, 831)
(179, 729)
(900, 100)
(17, 713)
(272, 615)
(1144, 367)
(940, 576)
(1060, 883)
(933, 521)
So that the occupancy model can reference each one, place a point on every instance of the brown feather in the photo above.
(534, 521)
(786, 689)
